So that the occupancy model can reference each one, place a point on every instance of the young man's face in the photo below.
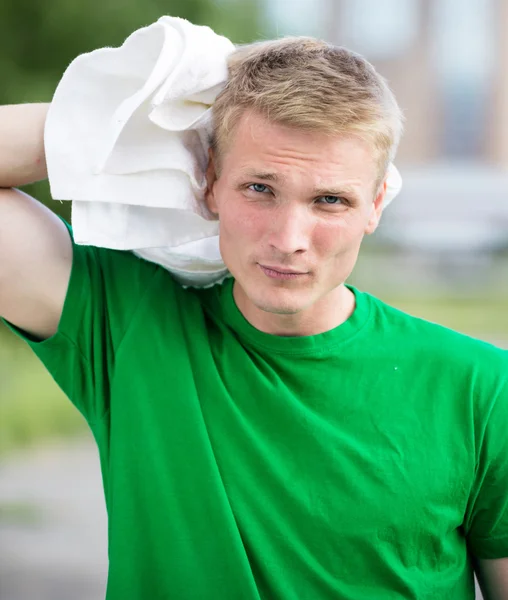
(293, 208)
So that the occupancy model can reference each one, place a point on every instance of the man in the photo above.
(282, 435)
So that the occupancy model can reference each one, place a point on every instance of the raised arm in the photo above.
(35, 246)
(22, 159)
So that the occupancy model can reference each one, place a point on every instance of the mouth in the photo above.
(282, 272)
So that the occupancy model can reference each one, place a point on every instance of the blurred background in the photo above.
(441, 252)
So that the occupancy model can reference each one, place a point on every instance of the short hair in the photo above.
(312, 85)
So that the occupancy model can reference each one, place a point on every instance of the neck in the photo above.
(327, 313)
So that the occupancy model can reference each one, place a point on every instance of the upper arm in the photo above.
(35, 263)
(493, 578)
(84, 324)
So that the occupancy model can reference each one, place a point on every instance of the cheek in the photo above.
(338, 238)
(238, 224)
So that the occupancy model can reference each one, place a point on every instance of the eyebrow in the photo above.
(266, 175)
(276, 178)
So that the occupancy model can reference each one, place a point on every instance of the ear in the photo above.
(376, 209)
(211, 178)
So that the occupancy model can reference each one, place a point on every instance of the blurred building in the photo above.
(498, 126)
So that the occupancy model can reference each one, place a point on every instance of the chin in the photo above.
(280, 301)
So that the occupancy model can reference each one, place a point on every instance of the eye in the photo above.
(258, 187)
(332, 200)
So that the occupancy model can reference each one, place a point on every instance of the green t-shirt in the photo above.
(361, 463)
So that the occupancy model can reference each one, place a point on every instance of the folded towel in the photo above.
(127, 138)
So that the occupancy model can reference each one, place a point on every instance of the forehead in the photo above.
(258, 144)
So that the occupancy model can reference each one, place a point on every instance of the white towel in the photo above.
(127, 138)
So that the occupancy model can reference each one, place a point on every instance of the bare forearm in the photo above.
(22, 158)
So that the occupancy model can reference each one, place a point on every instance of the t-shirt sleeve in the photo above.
(487, 516)
(104, 291)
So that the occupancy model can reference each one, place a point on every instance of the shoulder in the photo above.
(452, 348)
(122, 282)
(108, 269)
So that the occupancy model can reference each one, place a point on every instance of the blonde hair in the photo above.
(309, 84)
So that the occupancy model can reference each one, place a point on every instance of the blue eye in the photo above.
(255, 187)
(332, 200)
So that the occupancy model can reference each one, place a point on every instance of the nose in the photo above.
(290, 229)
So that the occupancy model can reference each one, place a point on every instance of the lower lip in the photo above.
(282, 276)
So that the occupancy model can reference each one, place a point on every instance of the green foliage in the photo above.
(39, 39)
